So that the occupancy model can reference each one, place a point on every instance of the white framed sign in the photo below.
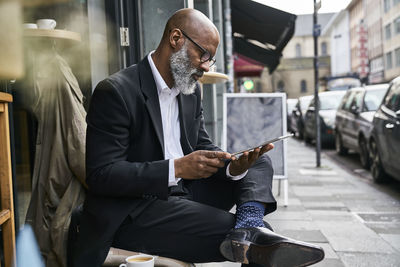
(250, 119)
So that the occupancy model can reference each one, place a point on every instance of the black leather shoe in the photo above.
(262, 246)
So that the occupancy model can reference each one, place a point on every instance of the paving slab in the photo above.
(290, 215)
(310, 191)
(353, 237)
(329, 252)
(384, 228)
(310, 204)
(393, 240)
(329, 263)
(281, 225)
(380, 217)
(305, 235)
(331, 215)
(369, 259)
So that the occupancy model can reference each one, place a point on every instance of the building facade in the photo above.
(339, 34)
(295, 74)
(373, 20)
(358, 38)
(391, 38)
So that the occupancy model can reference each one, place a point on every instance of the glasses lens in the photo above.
(205, 57)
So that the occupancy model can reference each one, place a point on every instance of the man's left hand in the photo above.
(244, 162)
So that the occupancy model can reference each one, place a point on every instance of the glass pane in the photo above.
(373, 99)
(330, 101)
(154, 15)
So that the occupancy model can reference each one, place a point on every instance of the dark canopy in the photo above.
(271, 27)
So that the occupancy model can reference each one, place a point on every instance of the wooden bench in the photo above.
(6, 189)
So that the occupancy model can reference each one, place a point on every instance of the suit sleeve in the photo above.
(109, 173)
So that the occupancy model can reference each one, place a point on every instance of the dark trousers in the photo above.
(195, 219)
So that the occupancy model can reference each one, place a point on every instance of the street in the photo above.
(351, 163)
(339, 208)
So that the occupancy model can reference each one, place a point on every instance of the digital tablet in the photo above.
(263, 144)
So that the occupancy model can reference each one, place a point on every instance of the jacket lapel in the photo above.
(149, 89)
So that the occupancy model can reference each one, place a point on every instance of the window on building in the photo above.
(298, 50)
(281, 86)
(303, 86)
(324, 49)
(397, 56)
(389, 62)
(396, 25)
(386, 5)
(388, 32)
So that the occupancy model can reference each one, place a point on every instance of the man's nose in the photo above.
(205, 66)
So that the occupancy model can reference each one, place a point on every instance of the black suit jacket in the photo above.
(125, 146)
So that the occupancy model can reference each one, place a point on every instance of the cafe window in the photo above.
(281, 86)
(397, 56)
(303, 86)
(298, 50)
(324, 49)
(396, 25)
(388, 32)
(389, 61)
(386, 5)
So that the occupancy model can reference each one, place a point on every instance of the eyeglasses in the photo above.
(206, 56)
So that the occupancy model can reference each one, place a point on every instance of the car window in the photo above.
(373, 99)
(392, 100)
(349, 100)
(357, 99)
(304, 104)
(330, 101)
(344, 99)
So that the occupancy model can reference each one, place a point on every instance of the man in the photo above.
(156, 182)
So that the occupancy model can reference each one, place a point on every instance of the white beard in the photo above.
(182, 71)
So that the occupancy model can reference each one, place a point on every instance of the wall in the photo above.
(373, 20)
(394, 42)
(340, 45)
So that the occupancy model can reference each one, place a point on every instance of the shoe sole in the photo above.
(283, 254)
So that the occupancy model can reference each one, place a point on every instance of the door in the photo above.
(391, 128)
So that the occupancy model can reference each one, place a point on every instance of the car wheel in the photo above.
(307, 139)
(301, 134)
(340, 149)
(364, 155)
(377, 171)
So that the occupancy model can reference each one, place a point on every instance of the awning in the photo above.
(246, 67)
(272, 28)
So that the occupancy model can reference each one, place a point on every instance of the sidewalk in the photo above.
(356, 224)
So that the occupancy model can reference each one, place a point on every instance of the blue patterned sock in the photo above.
(250, 214)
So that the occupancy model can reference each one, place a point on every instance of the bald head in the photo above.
(191, 21)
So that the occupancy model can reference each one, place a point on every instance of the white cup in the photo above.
(140, 260)
(46, 23)
(29, 26)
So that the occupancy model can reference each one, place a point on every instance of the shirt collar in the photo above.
(160, 83)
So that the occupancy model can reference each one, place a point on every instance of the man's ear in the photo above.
(175, 39)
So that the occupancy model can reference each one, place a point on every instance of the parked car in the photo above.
(353, 123)
(342, 83)
(384, 143)
(329, 102)
(290, 106)
(297, 119)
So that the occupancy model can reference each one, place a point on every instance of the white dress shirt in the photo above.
(170, 124)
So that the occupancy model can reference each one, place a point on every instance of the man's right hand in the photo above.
(200, 164)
